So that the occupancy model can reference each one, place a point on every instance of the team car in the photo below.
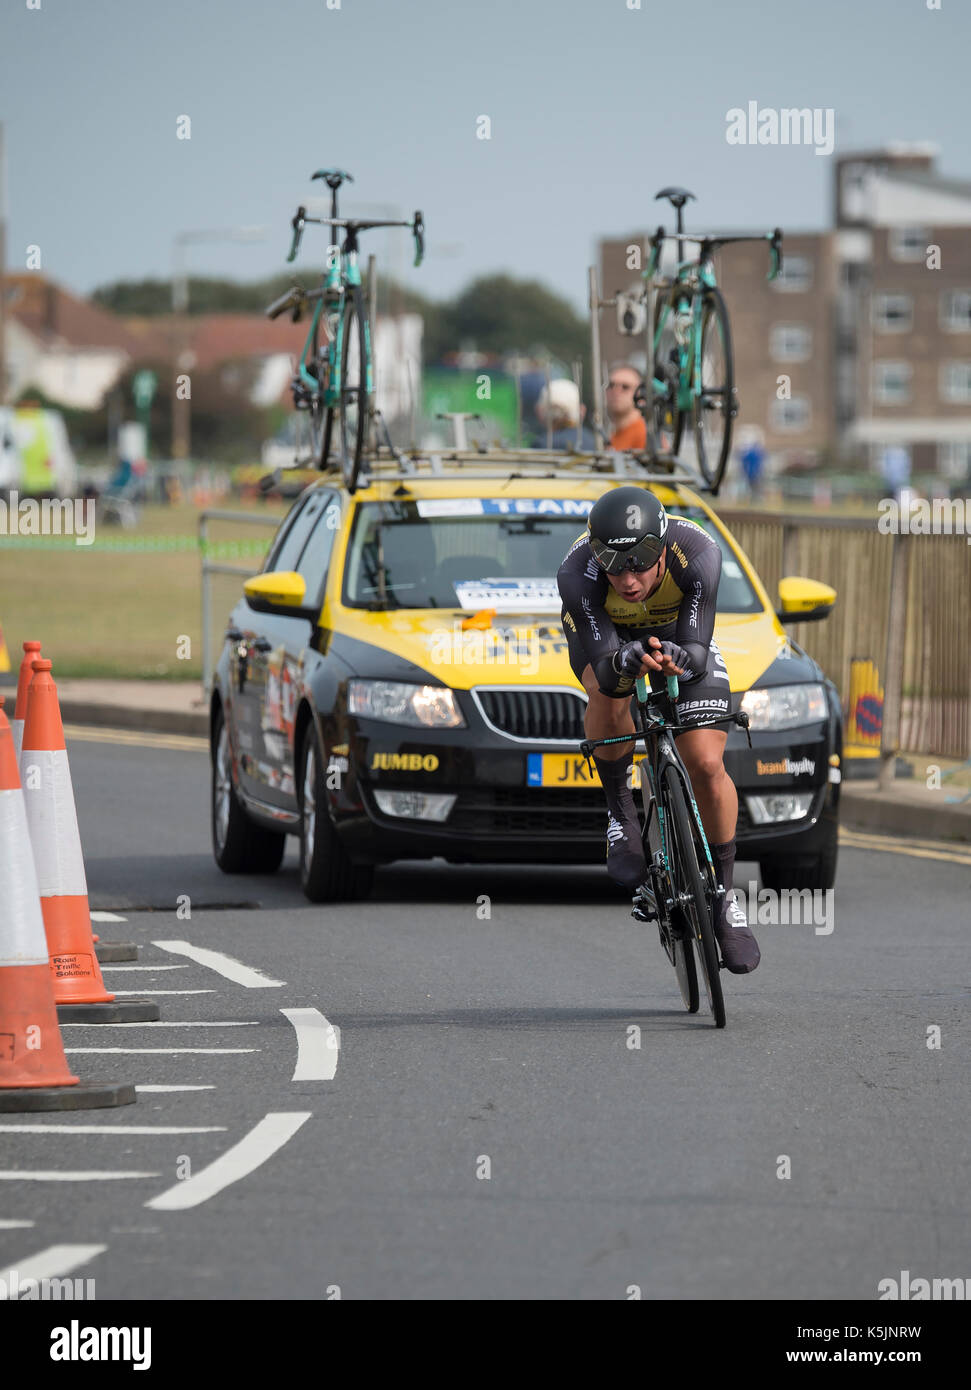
(395, 683)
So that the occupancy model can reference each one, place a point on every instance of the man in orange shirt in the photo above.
(629, 429)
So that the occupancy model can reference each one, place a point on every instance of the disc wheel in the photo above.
(666, 422)
(715, 405)
(355, 404)
(688, 856)
(321, 416)
(677, 945)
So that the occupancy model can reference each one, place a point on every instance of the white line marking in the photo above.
(140, 992)
(175, 1088)
(173, 1023)
(219, 1051)
(111, 1129)
(107, 917)
(222, 964)
(318, 1045)
(13, 1225)
(92, 1175)
(254, 1148)
(106, 968)
(52, 1263)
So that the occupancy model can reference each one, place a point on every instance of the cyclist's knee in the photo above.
(704, 765)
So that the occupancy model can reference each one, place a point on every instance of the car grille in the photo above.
(534, 715)
(536, 811)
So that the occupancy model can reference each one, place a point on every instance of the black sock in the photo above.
(615, 777)
(723, 858)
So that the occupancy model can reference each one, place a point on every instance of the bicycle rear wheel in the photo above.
(321, 415)
(666, 422)
(689, 868)
(680, 954)
(715, 406)
(355, 400)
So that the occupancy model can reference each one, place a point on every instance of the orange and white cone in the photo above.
(31, 654)
(31, 1051)
(56, 840)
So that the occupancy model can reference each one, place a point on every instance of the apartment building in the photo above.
(863, 343)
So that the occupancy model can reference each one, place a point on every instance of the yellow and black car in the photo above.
(395, 683)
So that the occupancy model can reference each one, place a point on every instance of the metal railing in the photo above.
(211, 567)
(903, 600)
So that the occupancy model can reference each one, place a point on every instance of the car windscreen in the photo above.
(500, 553)
(735, 593)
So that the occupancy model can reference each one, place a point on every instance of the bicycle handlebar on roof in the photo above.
(354, 225)
(710, 243)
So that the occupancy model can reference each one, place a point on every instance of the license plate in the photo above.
(566, 770)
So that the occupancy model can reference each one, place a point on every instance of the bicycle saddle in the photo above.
(334, 177)
(676, 196)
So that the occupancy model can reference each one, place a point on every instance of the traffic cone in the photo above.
(31, 1051)
(34, 1073)
(79, 989)
(31, 654)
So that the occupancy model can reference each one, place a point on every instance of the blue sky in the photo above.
(594, 106)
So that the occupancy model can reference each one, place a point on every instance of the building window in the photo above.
(908, 243)
(791, 342)
(891, 382)
(792, 416)
(796, 274)
(955, 384)
(956, 311)
(893, 313)
(954, 460)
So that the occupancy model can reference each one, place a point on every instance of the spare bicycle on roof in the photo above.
(334, 380)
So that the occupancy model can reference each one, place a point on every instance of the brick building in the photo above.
(870, 322)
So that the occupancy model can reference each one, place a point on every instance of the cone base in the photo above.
(108, 951)
(120, 1011)
(87, 1095)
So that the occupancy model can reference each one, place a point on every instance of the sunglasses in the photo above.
(639, 558)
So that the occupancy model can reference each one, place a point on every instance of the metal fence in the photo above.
(926, 669)
(218, 597)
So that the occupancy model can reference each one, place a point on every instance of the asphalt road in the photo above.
(489, 1129)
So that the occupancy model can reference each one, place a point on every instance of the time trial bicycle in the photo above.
(334, 379)
(681, 892)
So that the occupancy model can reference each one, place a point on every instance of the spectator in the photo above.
(561, 403)
(753, 459)
(628, 429)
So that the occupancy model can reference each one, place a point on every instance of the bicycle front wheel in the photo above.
(689, 868)
(676, 943)
(321, 415)
(355, 372)
(715, 405)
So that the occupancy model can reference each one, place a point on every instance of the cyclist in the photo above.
(639, 592)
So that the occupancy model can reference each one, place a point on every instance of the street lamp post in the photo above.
(183, 358)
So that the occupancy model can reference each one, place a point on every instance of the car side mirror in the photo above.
(280, 591)
(804, 600)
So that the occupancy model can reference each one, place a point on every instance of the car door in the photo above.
(255, 672)
(287, 636)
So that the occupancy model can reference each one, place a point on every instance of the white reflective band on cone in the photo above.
(53, 823)
(22, 937)
(17, 729)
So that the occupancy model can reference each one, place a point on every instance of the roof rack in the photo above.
(385, 465)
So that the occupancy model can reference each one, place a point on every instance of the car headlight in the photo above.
(784, 706)
(395, 702)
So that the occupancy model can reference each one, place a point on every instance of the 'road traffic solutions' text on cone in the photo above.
(34, 1074)
(79, 989)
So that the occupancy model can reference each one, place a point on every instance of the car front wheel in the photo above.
(326, 871)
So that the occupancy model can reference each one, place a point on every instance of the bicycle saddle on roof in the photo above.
(334, 177)
(676, 196)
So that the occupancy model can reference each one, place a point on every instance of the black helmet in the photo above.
(627, 528)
